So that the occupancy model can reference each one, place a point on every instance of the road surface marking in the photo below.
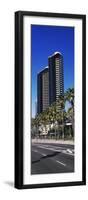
(69, 151)
(51, 146)
(64, 151)
(43, 154)
(35, 151)
(60, 163)
(51, 149)
(57, 147)
(56, 150)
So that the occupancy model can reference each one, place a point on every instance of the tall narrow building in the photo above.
(42, 90)
(50, 82)
(56, 77)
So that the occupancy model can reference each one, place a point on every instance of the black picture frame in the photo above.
(19, 15)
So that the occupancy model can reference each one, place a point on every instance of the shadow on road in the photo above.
(44, 157)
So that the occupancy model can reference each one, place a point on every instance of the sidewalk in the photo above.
(70, 142)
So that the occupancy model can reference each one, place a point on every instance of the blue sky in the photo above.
(45, 40)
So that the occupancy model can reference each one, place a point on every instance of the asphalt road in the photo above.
(52, 158)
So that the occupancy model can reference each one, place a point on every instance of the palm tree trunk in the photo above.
(63, 125)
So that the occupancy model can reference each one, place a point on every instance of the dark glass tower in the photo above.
(42, 90)
(56, 77)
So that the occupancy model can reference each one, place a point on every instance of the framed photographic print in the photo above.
(50, 99)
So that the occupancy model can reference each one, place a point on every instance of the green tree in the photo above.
(69, 96)
(60, 105)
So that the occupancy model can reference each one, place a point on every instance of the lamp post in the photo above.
(63, 122)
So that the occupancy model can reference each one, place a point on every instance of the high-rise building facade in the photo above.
(56, 77)
(42, 90)
(50, 82)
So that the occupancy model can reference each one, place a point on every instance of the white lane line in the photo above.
(50, 146)
(69, 150)
(51, 149)
(67, 153)
(57, 150)
(43, 154)
(60, 163)
(35, 151)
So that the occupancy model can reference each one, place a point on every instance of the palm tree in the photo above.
(33, 127)
(50, 112)
(60, 104)
(49, 116)
(56, 113)
(69, 96)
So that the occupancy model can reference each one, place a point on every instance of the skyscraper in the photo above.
(42, 90)
(56, 77)
(50, 82)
